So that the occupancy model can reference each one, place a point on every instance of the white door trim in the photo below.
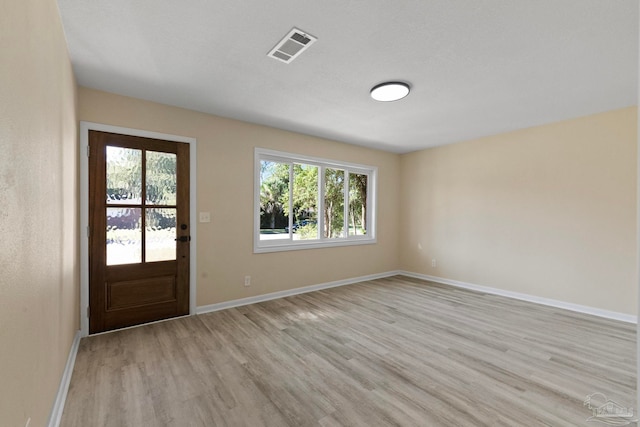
(85, 127)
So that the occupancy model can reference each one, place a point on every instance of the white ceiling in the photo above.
(476, 67)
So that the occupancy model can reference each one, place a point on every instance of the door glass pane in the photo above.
(357, 204)
(160, 243)
(274, 200)
(333, 203)
(161, 178)
(305, 202)
(124, 236)
(124, 175)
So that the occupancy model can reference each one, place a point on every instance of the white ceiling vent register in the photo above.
(292, 45)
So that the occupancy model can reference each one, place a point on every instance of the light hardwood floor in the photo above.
(394, 351)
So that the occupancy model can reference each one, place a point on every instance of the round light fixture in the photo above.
(390, 91)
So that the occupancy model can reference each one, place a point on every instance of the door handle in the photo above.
(183, 239)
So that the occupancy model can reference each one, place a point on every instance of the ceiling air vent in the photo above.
(292, 45)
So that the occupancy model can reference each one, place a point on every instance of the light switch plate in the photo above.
(205, 216)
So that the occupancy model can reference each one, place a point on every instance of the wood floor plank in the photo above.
(390, 352)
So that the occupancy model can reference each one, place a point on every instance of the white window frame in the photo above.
(261, 246)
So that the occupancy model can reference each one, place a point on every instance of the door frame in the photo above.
(85, 127)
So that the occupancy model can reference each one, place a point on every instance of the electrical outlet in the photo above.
(434, 262)
(247, 280)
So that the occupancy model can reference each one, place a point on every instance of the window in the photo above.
(305, 202)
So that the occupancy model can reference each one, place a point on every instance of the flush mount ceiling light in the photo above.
(390, 91)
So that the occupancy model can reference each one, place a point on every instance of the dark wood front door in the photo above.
(138, 230)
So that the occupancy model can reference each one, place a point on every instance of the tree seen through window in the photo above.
(333, 208)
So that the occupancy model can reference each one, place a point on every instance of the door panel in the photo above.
(139, 230)
(132, 293)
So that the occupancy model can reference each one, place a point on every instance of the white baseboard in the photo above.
(61, 397)
(281, 294)
(628, 318)
(526, 297)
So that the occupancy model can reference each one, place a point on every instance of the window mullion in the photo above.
(346, 204)
(291, 201)
(367, 201)
(321, 202)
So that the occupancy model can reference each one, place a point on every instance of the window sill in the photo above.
(316, 244)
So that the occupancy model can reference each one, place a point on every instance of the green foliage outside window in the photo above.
(275, 207)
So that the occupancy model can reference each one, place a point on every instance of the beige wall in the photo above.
(548, 211)
(38, 204)
(225, 188)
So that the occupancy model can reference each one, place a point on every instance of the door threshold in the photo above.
(141, 324)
